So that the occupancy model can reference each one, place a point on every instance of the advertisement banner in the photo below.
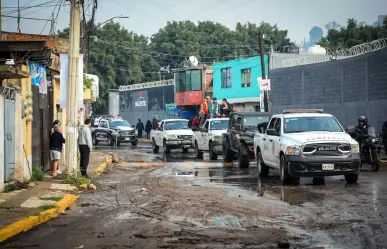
(140, 101)
(171, 109)
(38, 74)
(64, 64)
(95, 87)
(189, 98)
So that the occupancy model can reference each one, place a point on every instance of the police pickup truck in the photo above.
(209, 137)
(307, 143)
(113, 131)
(172, 134)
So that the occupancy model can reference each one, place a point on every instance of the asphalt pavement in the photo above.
(176, 201)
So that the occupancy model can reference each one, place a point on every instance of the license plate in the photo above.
(328, 166)
(187, 146)
(127, 138)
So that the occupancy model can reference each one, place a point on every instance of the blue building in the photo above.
(237, 81)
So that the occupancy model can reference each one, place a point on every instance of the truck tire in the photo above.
(212, 154)
(376, 161)
(94, 139)
(263, 169)
(134, 143)
(284, 172)
(198, 153)
(166, 149)
(118, 143)
(110, 141)
(227, 153)
(352, 178)
(155, 147)
(243, 157)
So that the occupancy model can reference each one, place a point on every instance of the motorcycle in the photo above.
(370, 149)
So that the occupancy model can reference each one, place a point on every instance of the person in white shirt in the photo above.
(85, 145)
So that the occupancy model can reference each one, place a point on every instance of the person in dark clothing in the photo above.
(85, 145)
(226, 108)
(361, 129)
(139, 128)
(155, 124)
(148, 128)
(56, 145)
(195, 122)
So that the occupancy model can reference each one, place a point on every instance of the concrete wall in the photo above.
(1, 143)
(237, 91)
(346, 88)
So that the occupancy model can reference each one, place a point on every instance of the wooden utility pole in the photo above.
(1, 36)
(72, 90)
(262, 55)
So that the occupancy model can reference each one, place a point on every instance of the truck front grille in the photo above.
(326, 149)
(125, 133)
(185, 137)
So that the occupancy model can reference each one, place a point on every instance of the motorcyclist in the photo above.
(361, 129)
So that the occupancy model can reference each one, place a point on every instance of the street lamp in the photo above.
(119, 17)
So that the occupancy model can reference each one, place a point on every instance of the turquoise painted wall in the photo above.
(237, 91)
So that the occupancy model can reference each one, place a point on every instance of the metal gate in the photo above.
(9, 134)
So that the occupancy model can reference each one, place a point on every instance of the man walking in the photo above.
(139, 128)
(85, 146)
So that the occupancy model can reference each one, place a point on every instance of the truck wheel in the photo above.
(110, 140)
(185, 150)
(243, 157)
(198, 153)
(376, 161)
(155, 148)
(95, 141)
(263, 169)
(212, 154)
(227, 153)
(352, 178)
(166, 149)
(118, 143)
(134, 143)
(284, 172)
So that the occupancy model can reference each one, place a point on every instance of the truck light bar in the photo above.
(303, 111)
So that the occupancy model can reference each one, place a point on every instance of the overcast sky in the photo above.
(148, 16)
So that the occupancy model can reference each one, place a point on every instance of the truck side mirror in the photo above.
(203, 129)
(133, 126)
(272, 132)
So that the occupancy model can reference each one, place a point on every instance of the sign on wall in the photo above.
(38, 74)
(171, 109)
(140, 101)
(264, 84)
(189, 98)
(64, 64)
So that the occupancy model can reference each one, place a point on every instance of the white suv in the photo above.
(306, 143)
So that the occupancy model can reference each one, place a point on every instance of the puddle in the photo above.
(291, 196)
(185, 173)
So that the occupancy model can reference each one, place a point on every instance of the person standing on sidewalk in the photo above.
(148, 128)
(85, 146)
(139, 128)
(56, 145)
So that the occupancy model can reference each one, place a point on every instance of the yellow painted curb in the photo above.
(101, 168)
(32, 221)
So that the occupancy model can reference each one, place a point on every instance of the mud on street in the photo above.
(175, 201)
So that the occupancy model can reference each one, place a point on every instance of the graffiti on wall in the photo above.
(38, 74)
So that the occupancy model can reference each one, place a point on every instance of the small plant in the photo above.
(50, 198)
(37, 174)
(9, 188)
(80, 180)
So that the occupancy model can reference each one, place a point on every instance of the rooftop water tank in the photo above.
(317, 49)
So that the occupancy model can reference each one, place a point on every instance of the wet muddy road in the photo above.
(175, 201)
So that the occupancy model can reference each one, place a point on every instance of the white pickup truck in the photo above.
(209, 137)
(306, 143)
(172, 134)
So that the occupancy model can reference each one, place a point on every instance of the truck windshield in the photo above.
(219, 125)
(306, 124)
(176, 125)
(253, 121)
(119, 123)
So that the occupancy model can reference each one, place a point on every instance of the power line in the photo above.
(165, 9)
(28, 18)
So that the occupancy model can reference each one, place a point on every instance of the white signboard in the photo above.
(95, 87)
(264, 84)
(64, 64)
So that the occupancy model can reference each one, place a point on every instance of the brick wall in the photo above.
(346, 88)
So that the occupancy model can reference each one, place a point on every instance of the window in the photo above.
(206, 125)
(188, 81)
(272, 122)
(219, 125)
(277, 126)
(305, 124)
(196, 80)
(234, 121)
(176, 125)
(104, 124)
(119, 123)
(226, 77)
(246, 77)
(187, 86)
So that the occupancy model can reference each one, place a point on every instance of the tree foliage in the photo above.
(352, 35)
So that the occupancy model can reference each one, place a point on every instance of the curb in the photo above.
(32, 221)
(101, 168)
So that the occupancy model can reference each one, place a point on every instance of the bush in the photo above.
(80, 180)
(37, 174)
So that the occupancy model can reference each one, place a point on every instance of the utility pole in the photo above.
(262, 55)
(18, 17)
(72, 90)
(1, 36)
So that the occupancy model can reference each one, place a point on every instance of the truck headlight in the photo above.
(114, 133)
(293, 150)
(171, 137)
(355, 148)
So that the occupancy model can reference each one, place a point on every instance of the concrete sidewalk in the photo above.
(35, 203)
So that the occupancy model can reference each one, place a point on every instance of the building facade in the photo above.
(237, 81)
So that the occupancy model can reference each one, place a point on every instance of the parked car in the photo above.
(238, 141)
(172, 134)
(114, 131)
(306, 143)
(209, 137)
